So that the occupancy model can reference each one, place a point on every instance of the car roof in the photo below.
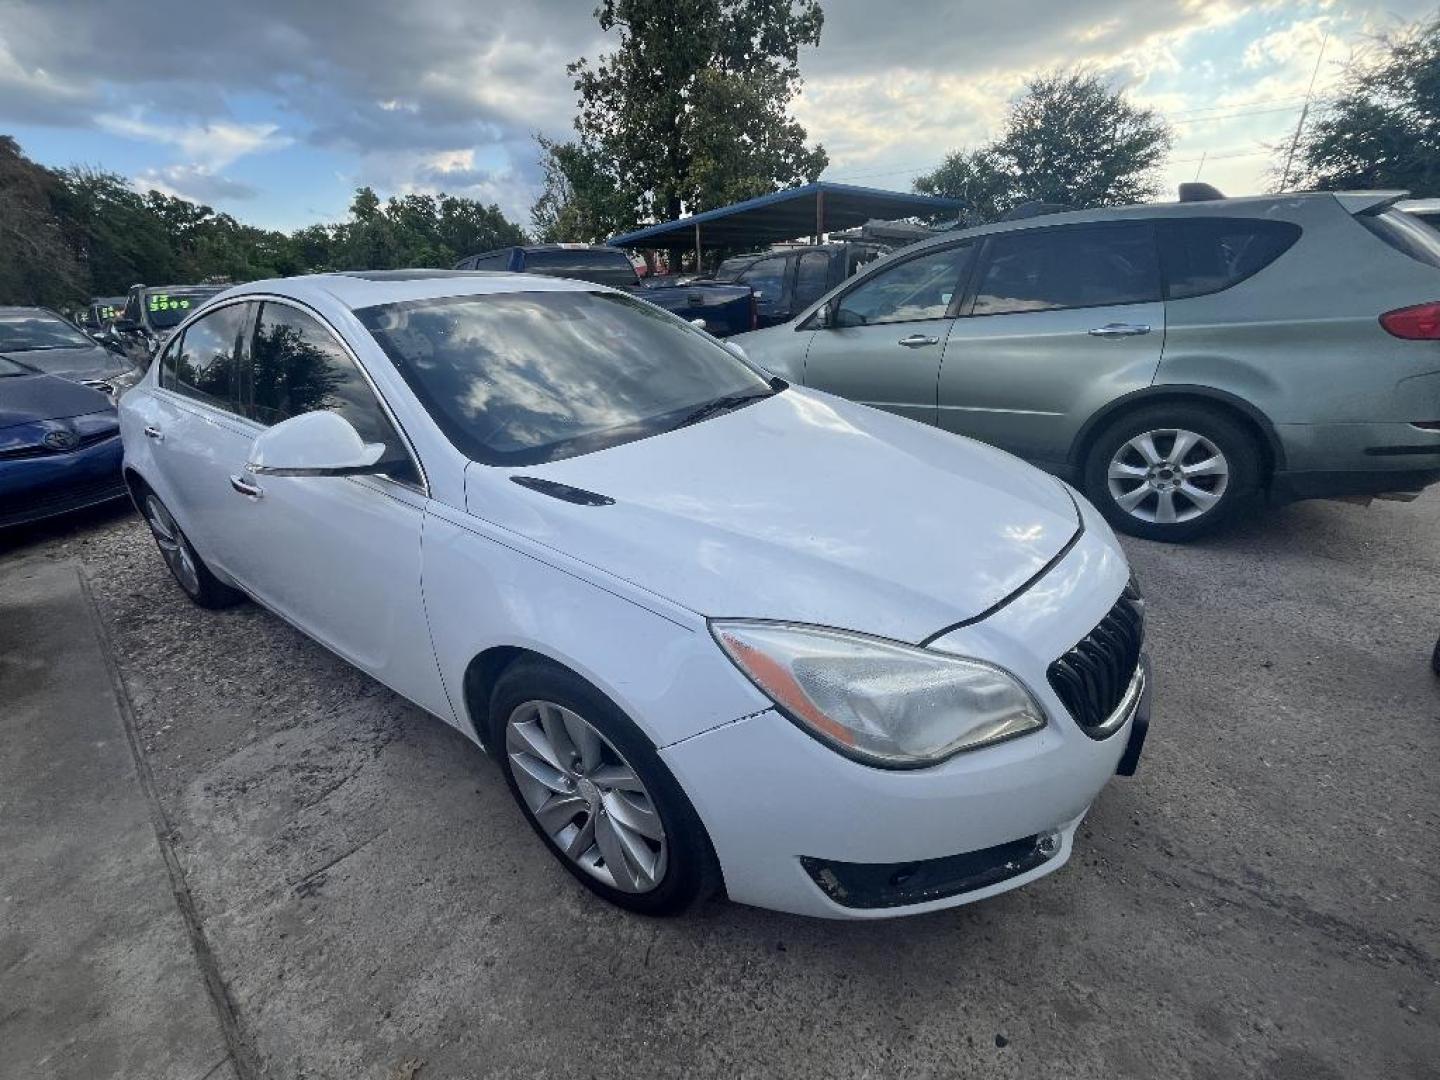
(367, 288)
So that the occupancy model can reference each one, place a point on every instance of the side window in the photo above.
(202, 364)
(497, 260)
(767, 278)
(812, 279)
(294, 365)
(1068, 267)
(1206, 255)
(918, 288)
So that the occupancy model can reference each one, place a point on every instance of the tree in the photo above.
(1069, 138)
(1383, 129)
(581, 200)
(689, 110)
(38, 266)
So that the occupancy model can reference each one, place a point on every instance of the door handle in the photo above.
(918, 341)
(153, 432)
(1120, 329)
(244, 487)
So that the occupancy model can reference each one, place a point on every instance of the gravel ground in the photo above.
(1261, 900)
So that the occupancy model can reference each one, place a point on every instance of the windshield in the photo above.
(24, 331)
(166, 309)
(521, 378)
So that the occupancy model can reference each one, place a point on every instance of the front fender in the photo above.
(485, 588)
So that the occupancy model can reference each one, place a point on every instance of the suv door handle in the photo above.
(153, 432)
(244, 487)
(1120, 329)
(918, 341)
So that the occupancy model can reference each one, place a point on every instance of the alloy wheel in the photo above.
(586, 796)
(1168, 476)
(174, 548)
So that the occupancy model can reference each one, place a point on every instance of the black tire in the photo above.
(180, 556)
(691, 870)
(1237, 447)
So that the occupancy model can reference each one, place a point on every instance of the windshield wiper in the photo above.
(719, 405)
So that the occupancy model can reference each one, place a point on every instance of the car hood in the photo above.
(801, 507)
(76, 364)
(28, 398)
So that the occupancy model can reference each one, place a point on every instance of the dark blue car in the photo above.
(60, 445)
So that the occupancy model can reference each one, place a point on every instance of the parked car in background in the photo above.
(715, 628)
(60, 446)
(100, 313)
(1172, 359)
(47, 342)
(788, 280)
(151, 312)
(723, 309)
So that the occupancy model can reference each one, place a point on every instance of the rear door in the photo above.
(1062, 320)
(195, 426)
(884, 336)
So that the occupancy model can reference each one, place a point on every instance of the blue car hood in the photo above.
(28, 398)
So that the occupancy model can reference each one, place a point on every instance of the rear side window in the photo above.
(1064, 267)
(495, 260)
(202, 364)
(1208, 255)
(1405, 234)
(606, 267)
(294, 365)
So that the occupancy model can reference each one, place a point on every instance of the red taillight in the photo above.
(1418, 323)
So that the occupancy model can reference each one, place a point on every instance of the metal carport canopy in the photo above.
(814, 209)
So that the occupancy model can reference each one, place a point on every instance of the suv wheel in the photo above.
(1171, 472)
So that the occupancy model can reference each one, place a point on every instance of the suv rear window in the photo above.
(1405, 234)
(1208, 255)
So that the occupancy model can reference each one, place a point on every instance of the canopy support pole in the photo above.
(820, 217)
(697, 248)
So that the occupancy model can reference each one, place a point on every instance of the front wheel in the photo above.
(594, 789)
(1171, 472)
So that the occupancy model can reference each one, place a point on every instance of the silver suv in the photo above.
(1171, 359)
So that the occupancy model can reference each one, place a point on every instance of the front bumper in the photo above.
(42, 487)
(780, 807)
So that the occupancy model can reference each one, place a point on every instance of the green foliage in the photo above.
(687, 113)
(1068, 139)
(1383, 130)
(70, 234)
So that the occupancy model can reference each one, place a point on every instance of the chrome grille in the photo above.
(1093, 677)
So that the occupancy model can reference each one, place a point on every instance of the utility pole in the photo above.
(1304, 112)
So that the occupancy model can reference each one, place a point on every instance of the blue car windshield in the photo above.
(23, 331)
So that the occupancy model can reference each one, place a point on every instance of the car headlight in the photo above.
(880, 702)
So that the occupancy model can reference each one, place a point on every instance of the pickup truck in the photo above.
(789, 279)
(723, 309)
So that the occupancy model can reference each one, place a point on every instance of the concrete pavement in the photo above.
(98, 976)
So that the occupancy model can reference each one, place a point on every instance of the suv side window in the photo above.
(294, 365)
(1208, 255)
(1047, 269)
(812, 279)
(496, 260)
(916, 289)
(201, 364)
(767, 278)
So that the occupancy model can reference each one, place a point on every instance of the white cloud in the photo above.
(211, 146)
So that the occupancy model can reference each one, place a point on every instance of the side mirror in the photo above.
(314, 444)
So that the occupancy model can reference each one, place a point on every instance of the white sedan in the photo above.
(718, 631)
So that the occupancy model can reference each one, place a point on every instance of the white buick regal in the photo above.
(719, 632)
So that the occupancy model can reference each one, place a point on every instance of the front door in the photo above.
(337, 556)
(884, 337)
(1064, 319)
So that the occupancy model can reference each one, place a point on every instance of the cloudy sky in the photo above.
(275, 110)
